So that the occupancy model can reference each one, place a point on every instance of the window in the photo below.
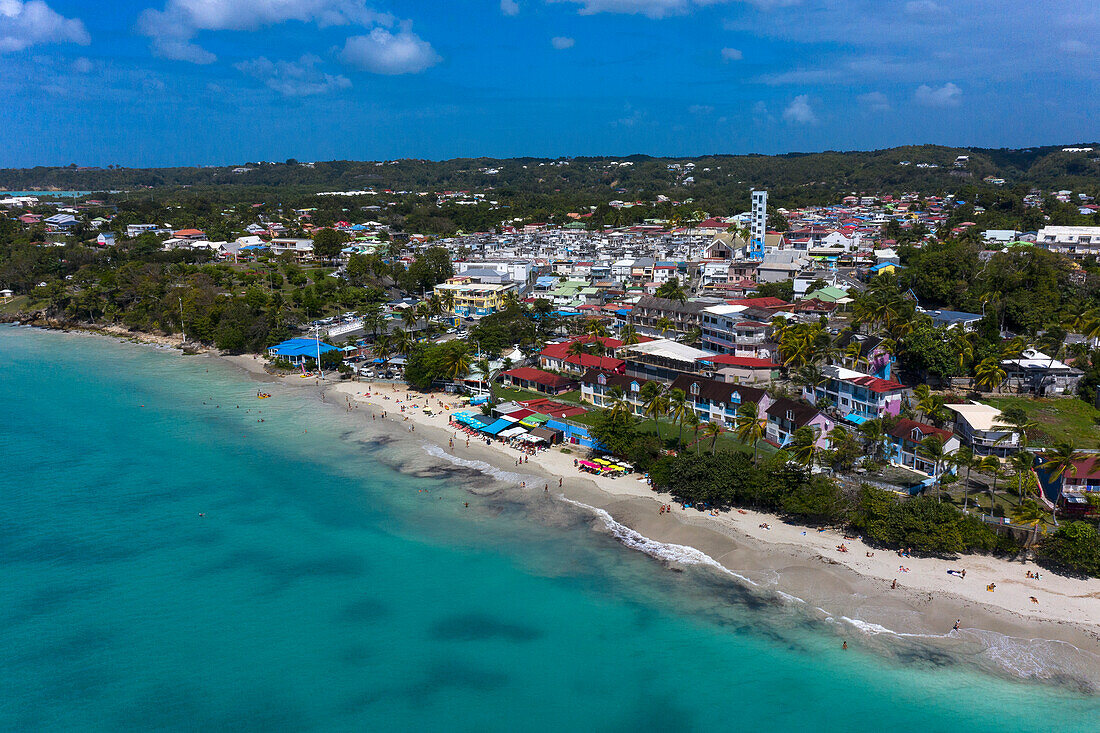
(602, 380)
(633, 386)
(694, 388)
(916, 435)
(790, 415)
(735, 398)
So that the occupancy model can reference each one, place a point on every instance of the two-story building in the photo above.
(558, 357)
(719, 402)
(983, 429)
(785, 416)
(856, 394)
(597, 387)
(905, 440)
(664, 360)
(473, 299)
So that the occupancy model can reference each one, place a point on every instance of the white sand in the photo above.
(1060, 598)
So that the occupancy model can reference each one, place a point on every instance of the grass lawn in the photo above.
(15, 304)
(512, 394)
(1062, 419)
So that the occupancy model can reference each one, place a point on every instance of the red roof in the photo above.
(877, 385)
(747, 362)
(538, 376)
(905, 428)
(553, 409)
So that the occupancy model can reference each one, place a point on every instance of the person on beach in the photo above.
(956, 626)
(894, 585)
(845, 645)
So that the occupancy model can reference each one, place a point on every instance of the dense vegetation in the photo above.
(536, 189)
(924, 524)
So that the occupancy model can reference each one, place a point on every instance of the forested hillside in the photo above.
(721, 181)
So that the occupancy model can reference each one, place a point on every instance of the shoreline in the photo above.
(799, 565)
(1002, 632)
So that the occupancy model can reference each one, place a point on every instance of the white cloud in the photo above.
(293, 78)
(949, 95)
(874, 101)
(665, 8)
(383, 52)
(800, 111)
(731, 54)
(172, 29)
(82, 65)
(922, 7)
(24, 24)
(700, 109)
(1074, 47)
(562, 42)
(509, 7)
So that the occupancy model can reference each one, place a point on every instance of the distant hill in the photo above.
(718, 179)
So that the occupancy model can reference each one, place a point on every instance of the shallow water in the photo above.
(325, 590)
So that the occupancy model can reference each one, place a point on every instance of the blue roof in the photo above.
(955, 316)
(496, 427)
(301, 347)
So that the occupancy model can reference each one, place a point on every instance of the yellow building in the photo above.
(472, 299)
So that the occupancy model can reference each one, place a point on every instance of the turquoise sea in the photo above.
(326, 590)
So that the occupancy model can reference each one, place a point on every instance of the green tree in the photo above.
(1073, 547)
(750, 427)
(327, 243)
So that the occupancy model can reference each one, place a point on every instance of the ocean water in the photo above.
(338, 582)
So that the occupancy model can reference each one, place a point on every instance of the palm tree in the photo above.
(1021, 463)
(991, 465)
(931, 450)
(1019, 422)
(712, 430)
(616, 401)
(678, 408)
(989, 374)
(409, 318)
(595, 327)
(664, 324)
(1059, 461)
(1030, 512)
(402, 341)
(458, 362)
(383, 347)
(963, 457)
(692, 421)
(749, 427)
(964, 350)
(872, 431)
(671, 290)
(628, 335)
(577, 348)
(447, 300)
(802, 446)
(655, 403)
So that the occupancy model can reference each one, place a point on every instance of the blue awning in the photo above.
(497, 426)
(856, 419)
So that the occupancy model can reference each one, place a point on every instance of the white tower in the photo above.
(758, 227)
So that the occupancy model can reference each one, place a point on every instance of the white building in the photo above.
(1070, 241)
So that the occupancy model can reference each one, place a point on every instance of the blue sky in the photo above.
(165, 82)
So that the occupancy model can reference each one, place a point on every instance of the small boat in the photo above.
(262, 395)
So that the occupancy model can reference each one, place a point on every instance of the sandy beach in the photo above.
(800, 565)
